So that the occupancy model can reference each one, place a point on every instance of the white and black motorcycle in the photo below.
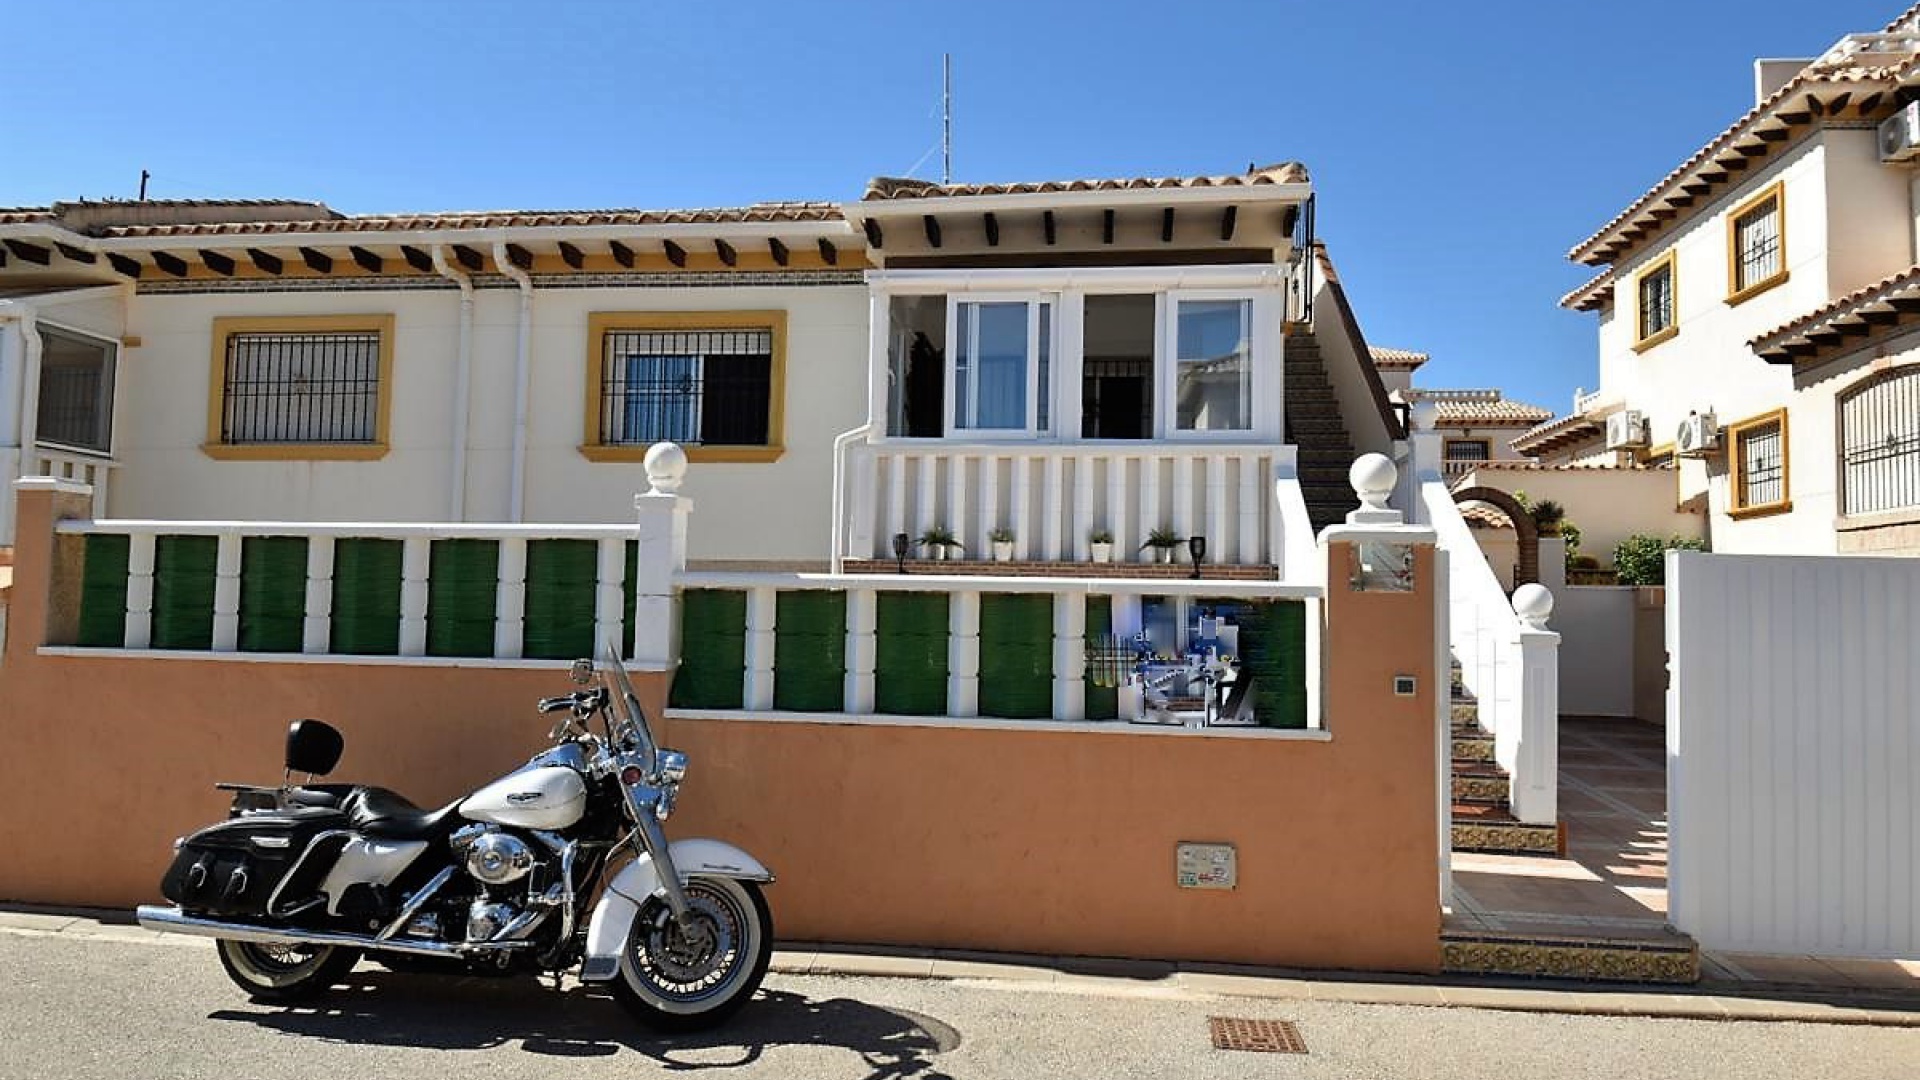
(298, 882)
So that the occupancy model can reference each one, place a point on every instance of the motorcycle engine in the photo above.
(496, 859)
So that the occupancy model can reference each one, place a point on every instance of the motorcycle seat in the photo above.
(385, 815)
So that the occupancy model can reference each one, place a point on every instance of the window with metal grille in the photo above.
(1656, 300)
(1762, 458)
(1468, 450)
(1757, 243)
(301, 387)
(697, 387)
(76, 391)
(1880, 445)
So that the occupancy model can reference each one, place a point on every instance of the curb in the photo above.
(1140, 978)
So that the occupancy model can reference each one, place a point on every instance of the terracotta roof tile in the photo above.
(1812, 76)
(1901, 282)
(1563, 431)
(25, 215)
(1479, 408)
(882, 188)
(1396, 359)
(1537, 466)
(496, 219)
(1589, 296)
(1483, 516)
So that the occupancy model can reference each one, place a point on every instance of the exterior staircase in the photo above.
(1482, 814)
(1315, 425)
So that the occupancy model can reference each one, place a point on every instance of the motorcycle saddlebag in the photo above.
(234, 867)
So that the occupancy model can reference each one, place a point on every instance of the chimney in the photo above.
(1769, 75)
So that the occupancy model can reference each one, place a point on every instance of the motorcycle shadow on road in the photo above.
(377, 1008)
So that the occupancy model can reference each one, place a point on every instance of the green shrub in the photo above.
(1582, 562)
(1642, 560)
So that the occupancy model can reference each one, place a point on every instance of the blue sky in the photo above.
(1458, 150)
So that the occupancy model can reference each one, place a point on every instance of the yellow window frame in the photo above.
(225, 327)
(602, 323)
(1642, 340)
(1736, 460)
(1738, 292)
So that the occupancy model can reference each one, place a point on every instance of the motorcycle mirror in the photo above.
(582, 672)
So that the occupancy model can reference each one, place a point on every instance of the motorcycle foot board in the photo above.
(640, 882)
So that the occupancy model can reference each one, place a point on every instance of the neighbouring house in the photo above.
(1758, 308)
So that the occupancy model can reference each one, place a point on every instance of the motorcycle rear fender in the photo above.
(640, 882)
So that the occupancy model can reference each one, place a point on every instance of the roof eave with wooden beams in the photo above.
(1557, 435)
(1862, 318)
(1806, 102)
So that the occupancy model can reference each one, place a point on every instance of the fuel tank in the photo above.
(537, 797)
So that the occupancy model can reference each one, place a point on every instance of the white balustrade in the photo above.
(1054, 496)
(80, 466)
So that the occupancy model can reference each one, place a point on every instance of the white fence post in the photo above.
(1535, 781)
(416, 564)
(226, 593)
(140, 548)
(863, 607)
(510, 599)
(316, 634)
(1070, 656)
(662, 532)
(610, 595)
(963, 654)
(756, 691)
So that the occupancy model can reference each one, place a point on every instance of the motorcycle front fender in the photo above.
(640, 882)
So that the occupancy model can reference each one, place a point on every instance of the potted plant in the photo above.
(1100, 545)
(939, 542)
(1002, 538)
(1163, 540)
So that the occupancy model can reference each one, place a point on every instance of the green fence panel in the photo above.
(1273, 652)
(103, 591)
(810, 651)
(713, 650)
(273, 593)
(366, 597)
(563, 577)
(630, 587)
(1103, 702)
(183, 580)
(910, 657)
(463, 580)
(1016, 655)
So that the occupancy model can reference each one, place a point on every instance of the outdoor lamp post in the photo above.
(900, 551)
(1197, 547)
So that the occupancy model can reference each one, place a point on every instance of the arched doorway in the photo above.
(1528, 567)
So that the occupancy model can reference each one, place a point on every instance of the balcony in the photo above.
(1054, 496)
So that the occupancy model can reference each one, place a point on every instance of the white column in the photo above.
(1536, 777)
(1083, 523)
(963, 654)
(956, 516)
(860, 481)
(226, 593)
(1051, 504)
(1184, 521)
(1022, 517)
(510, 599)
(316, 633)
(896, 499)
(662, 532)
(863, 607)
(1118, 496)
(1070, 656)
(610, 594)
(1150, 518)
(140, 548)
(1216, 497)
(989, 515)
(1126, 623)
(1250, 505)
(1423, 451)
(416, 562)
(756, 691)
(924, 497)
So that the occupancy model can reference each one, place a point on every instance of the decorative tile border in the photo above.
(1472, 748)
(1484, 789)
(1508, 838)
(1609, 961)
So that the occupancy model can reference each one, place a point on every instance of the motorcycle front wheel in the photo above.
(283, 973)
(683, 978)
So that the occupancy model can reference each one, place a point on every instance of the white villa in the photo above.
(1757, 313)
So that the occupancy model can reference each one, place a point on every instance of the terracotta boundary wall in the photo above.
(957, 836)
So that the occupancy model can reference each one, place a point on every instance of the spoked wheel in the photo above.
(681, 978)
(280, 973)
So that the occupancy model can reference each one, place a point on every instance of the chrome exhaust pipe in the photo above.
(172, 920)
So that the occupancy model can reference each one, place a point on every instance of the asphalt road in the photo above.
(145, 1006)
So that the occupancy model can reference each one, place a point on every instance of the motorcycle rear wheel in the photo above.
(278, 974)
(675, 980)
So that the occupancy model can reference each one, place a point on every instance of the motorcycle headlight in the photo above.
(673, 766)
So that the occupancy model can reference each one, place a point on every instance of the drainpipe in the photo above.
(521, 367)
(462, 382)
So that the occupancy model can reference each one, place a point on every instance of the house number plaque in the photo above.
(1205, 866)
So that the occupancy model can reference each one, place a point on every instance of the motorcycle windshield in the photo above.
(626, 704)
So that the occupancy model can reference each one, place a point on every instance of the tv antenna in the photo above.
(946, 118)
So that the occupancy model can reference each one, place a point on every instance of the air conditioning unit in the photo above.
(1900, 134)
(1626, 430)
(1699, 435)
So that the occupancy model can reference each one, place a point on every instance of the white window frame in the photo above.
(1031, 429)
(1260, 349)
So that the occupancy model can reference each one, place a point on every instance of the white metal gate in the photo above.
(1793, 753)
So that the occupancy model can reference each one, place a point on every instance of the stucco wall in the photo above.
(775, 510)
(1609, 505)
(965, 836)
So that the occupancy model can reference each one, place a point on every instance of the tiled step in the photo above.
(1471, 746)
(1480, 782)
(1553, 950)
(1481, 827)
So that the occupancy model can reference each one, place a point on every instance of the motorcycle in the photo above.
(517, 877)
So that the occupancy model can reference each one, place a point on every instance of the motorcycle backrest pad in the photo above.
(313, 746)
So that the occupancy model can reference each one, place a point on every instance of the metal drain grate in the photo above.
(1259, 1036)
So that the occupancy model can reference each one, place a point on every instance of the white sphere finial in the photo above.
(666, 467)
(1425, 414)
(1533, 603)
(1373, 477)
